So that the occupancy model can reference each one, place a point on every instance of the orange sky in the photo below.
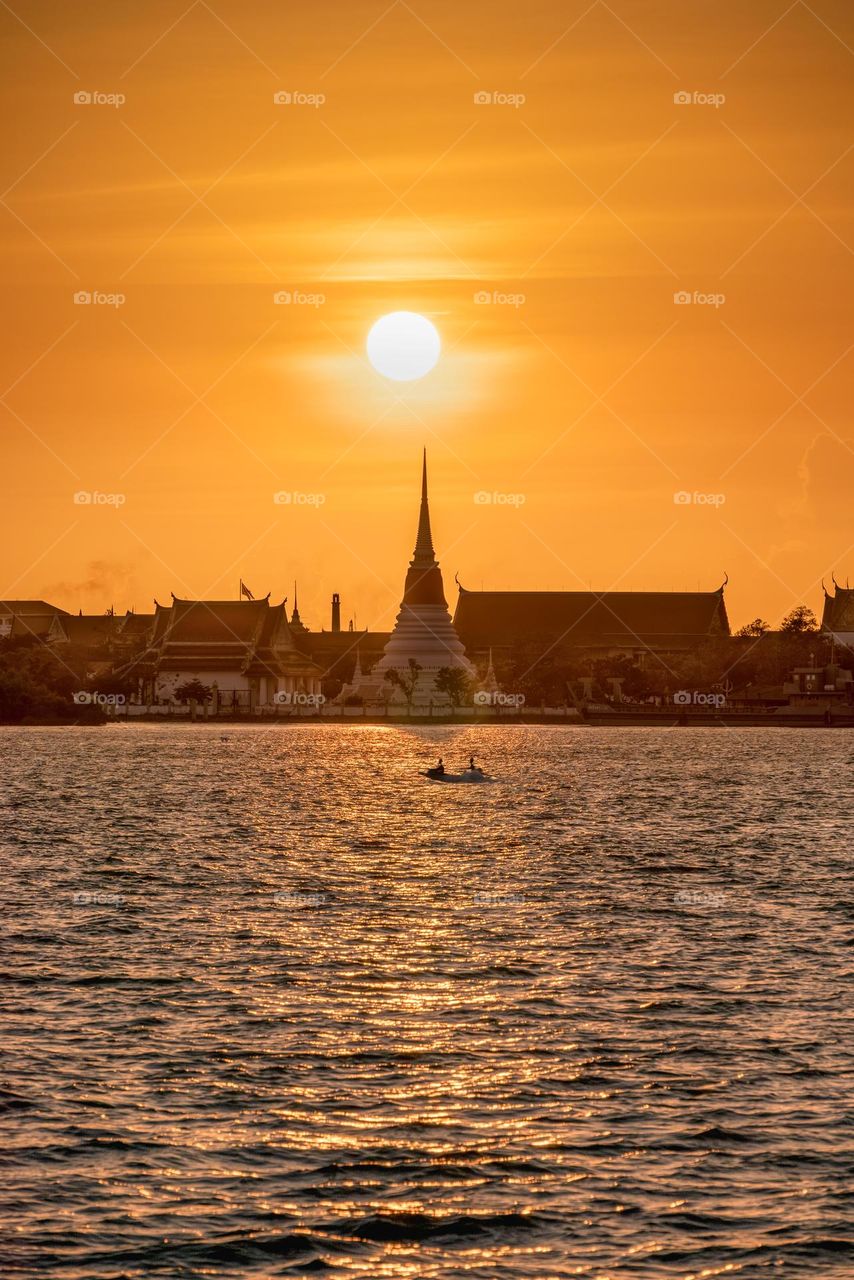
(596, 199)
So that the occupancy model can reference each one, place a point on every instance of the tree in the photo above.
(193, 691)
(757, 627)
(405, 681)
(38, 685)
(453, 682)
(539, 669)
(636, 683)
(799, 622)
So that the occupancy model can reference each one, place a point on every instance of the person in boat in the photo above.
(473, 768)
(440, 767)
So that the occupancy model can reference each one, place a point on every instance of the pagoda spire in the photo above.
(424, 553)
(424, 577)
(423, 632)
(297, 623)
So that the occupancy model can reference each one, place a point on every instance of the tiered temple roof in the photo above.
(88, 631)
(838, 615)
(33, 619)
(658, 621)
(248, 637)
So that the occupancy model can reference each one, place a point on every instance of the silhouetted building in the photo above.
(837, 618)
(90, 631)
(33, 619)
(423, 631)
(631, 623)
(336, 652)
(243, 650)
(828, 685)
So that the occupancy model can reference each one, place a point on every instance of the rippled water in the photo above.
(591, 1020)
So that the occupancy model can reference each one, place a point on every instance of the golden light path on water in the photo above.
(323, 1016)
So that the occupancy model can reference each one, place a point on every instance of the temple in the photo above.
(636, 624)
(242, 650)
(837, 619)
(423, 632)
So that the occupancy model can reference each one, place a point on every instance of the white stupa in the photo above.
(423, 631)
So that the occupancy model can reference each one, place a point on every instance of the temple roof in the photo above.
(24, 607)
(29, 619)
(93, 630)
(136, 623)
(250, 636)
(838, 615)
(229, 622)
(333, 651)
(485, 618)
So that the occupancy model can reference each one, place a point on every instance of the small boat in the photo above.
(467, 775)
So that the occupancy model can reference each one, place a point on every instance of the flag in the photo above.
(244, 590)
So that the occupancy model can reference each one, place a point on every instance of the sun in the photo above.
(403, 346)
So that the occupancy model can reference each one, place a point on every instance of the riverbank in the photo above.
(675, 717)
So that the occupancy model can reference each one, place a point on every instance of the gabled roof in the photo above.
(249, 636)
(838, 615)
(336, 651)
(651, 618)
(90, 629)
(24, 607)
(20, 626)
(135, 624)
(230, 622)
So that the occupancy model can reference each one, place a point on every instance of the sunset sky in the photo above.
(581, 211)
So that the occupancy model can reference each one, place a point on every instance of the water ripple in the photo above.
(274, 1005)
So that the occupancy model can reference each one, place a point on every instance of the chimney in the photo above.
(336, 611)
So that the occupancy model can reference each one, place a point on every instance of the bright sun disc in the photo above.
(403, 346)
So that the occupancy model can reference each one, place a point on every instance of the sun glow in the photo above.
(403, 346)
